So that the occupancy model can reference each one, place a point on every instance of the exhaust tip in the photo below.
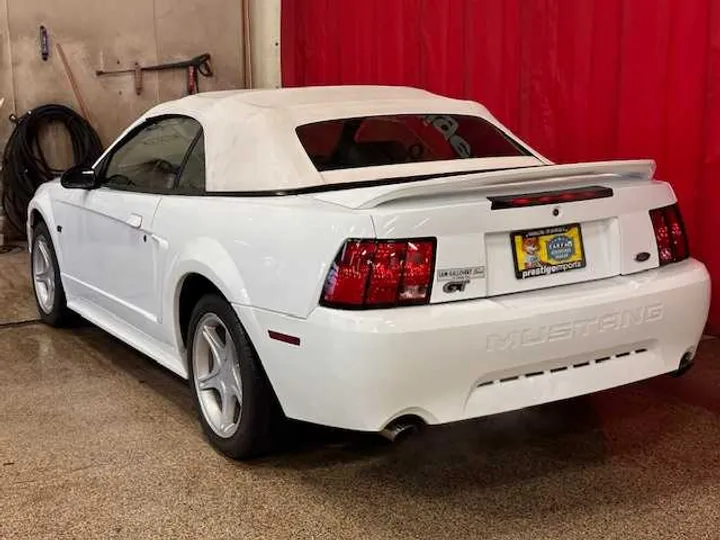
(400, 429)
(686, 362)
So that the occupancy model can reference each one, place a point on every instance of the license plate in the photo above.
(543, 252)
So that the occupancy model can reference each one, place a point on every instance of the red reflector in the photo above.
(382, 273)
(550, 197)
(669, 234)
(285, 338)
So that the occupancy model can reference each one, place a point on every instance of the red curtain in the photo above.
(577, 79)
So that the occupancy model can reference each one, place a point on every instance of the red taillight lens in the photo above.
(387, 271)
(669, 234)
(418, 271)
(348, 276)
(380, 273)
(662, 236)
(678, 237)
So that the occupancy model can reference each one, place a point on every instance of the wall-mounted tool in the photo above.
(73, 82)
(199, 64)
(44, 43)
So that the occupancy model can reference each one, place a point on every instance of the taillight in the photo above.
(670, 234)
(381, 273)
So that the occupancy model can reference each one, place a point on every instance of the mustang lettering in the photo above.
(579, 328)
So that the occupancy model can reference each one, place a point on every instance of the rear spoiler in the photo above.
(372, 196)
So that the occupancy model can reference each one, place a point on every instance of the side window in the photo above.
(151, 160)
(192, 178)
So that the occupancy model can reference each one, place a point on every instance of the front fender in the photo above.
(42, 203)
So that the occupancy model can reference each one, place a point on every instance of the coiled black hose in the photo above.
(24, 163)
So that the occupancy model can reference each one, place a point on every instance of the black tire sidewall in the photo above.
(252, 437)
(58, 313)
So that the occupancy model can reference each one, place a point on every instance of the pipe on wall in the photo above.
(264, 50)
(247, 44)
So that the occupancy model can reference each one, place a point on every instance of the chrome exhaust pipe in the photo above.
(686, 362)
(399, 430)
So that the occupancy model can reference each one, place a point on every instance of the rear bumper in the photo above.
(449, 362)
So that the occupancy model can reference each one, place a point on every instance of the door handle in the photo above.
(135, 221)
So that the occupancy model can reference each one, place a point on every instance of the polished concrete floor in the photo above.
(98, 442)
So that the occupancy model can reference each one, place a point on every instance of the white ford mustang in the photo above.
(366, 258)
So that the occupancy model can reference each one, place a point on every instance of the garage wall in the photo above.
(578, 79)
(101, 34)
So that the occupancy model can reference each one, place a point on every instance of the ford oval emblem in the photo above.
(642, 256)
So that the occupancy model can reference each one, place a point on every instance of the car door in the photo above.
(114, 259)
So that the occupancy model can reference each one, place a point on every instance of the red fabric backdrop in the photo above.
(577, 79)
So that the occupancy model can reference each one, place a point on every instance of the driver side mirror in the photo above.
(79, 177)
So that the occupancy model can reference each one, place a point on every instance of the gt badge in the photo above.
(455, 286)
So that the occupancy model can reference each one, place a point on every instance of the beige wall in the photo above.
(107, 34)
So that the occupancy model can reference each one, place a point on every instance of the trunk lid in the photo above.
(489, 250)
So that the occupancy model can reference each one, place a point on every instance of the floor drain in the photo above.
(6, 250)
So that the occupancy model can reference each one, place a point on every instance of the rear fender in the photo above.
(224, 274)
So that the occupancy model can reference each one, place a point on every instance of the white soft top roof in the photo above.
(251, 145)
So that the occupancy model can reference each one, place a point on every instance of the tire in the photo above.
(47, 285)
(248, 429)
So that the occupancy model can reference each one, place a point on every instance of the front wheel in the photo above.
(231, 393)
(47, 285)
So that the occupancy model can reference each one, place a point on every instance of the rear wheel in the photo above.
(232, 396)
(47, 285)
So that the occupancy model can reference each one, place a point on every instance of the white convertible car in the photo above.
(367, 258)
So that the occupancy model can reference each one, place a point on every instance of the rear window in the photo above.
(370, 141)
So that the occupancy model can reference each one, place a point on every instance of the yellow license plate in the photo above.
(543, 252)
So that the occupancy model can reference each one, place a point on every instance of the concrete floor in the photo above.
(98, 442)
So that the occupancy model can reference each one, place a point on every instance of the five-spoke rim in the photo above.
(217, 375)
(44, 275)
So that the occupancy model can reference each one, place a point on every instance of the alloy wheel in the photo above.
(216, 374)
(44, 275)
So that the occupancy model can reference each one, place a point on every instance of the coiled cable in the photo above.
(24, 165)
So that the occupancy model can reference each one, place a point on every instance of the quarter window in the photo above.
(151, 160)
